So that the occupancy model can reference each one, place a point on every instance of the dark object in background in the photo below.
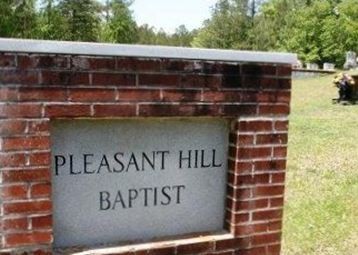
(344, 83)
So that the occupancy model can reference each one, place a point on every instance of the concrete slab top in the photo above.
(144, 51)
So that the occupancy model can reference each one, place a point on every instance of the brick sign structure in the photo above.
(115, 149)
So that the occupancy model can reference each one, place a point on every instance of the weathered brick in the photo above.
(243, 230)
(163, 80)
(44, 61)
(67, 110)
(221, 253)
(240, 218)
(12, 160)
(276, 202)
(38, 126)
(8, 94)
(181, 95)
(240, 167)
(27, 207)
(40, 190)
(255, 126)
(48, 94)
(21, 239)
(274, 109)
(138, 95)
(241, 140)
(252, 179)
(15, 224)
(26, 143)
(255, 82)
(222, 96)
(162, 251)
(249, 96)
(230, 69)
(201, 81)
(126, 64)
(233, 243)
(239, 110)
(278, 178)
(272, 139)
(268, 165)
(40, 158)
(274, 97)
(41, 222)
(252, 204)
(92, 95)
(275, 225)
(12, 127)
(93, 63)
(26, 175)
(252, 251)
(281, 125)
(20, 110)
(114, 110)
(266, 238)
(16, 191)
(64, 78)
(113, 79)
(258, 70)
(195, 248)
(232, 82)
(267, 214)
(15, 76)
(7, 60)
(283, 84)
(138, 65)
(212, 67)
(267, 191)
(284, 70)
(178, 110)
(238, 193)
(280, 152)
(249, 153)
(152, 65)
(182, 66)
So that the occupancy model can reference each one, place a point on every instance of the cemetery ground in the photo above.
(321, 210)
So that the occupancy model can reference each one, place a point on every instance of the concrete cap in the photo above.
(145, 51)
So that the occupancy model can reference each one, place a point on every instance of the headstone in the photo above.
(328, 66)
(137, 179)
(312, 66)
(351, 60)
(298, 64)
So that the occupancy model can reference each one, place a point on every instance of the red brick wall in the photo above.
(34, 89)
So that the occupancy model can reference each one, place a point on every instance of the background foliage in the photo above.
(318, 30)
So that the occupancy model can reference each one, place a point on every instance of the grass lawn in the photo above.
(321, 211)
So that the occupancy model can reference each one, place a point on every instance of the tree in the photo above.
(146, 35)
(6, 20)
(120, 26)
(52, 25)
(182, 36)
(18, 19)
(81, 19)
(270, 23)
(323, 31)
(228, 27)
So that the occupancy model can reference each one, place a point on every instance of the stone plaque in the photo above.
(126, 180)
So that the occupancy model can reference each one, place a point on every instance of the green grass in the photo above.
(321, 210)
